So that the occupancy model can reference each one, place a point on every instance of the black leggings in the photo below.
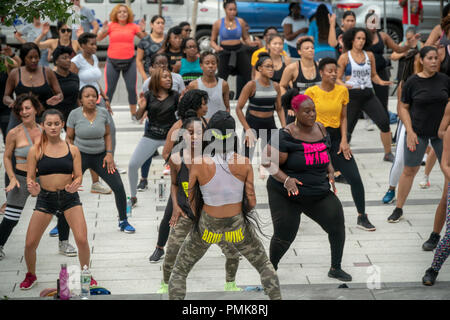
(95, 162)
(365, 100)
(348, 168)
(235, 60)
(258, 124)
(382, 92)
(326, 210)
(164, 228)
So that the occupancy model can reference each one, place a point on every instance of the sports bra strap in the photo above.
(27, 134)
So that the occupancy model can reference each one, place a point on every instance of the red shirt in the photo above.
(121, 40)
(416, 7)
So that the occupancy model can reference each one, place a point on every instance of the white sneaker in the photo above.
(121, 170)
(67, 249)
(425, 183)
(100, 188)
(369, 125)
(2, 253)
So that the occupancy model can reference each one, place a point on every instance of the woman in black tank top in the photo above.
(41, 81)
(59, 166)
(280, 61)
(302, 75)
(193, 103)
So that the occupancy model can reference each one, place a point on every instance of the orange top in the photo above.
(121, 40)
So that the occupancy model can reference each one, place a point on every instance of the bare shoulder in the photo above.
(73, 149)
(193, 85)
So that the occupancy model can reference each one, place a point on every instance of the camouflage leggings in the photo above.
(213, 230)
(176, 238)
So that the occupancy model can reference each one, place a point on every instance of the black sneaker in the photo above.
(432, 242)
(339, 274)
(430, 277)
(157, 255)
(364, 223)
(143, 185)
(389, 157)
(396, 215)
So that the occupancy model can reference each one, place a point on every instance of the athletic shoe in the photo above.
(166, 170)
(432, 242)
(425, 183)
(369, 125)
(164, 288)
(133, 202)
(93, 282)
(2, 253)
(67, 249)
(157, 255)
(339, 274)
(396, 215)
(430, 277)
(389, 197)
(364, 223)
(124, 226)
(231, 286)
(54, 232)
(134, 119)
(120, 170)
(143, 185)
(98, 187)
(389, 157)
(29, 282)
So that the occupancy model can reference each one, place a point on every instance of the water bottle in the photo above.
(64, 292)
(129, 207)
(85, 283)
(161, 189)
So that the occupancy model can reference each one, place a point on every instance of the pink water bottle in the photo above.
(64, 292)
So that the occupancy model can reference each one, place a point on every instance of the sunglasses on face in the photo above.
(64, 30)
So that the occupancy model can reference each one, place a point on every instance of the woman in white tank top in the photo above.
(222, 213)
(357, 69)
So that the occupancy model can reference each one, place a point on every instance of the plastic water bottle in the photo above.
(85, 283)
(129, 207)
(64, 291)
(161, 189)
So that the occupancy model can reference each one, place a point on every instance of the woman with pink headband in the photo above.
(301, 172)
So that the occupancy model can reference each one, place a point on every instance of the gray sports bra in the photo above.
(23, 151)
(224, 187)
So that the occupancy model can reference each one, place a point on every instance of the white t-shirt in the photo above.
(88, 73)
(296, 25)
(177, 83)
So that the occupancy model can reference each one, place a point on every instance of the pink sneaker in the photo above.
(29, 282)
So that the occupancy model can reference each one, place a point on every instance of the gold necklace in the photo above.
(230, 25)
(90, 121)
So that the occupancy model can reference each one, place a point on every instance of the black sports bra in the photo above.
(48, 165)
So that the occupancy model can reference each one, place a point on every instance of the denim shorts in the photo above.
(56, 202)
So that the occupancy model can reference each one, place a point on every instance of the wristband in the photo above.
(284, 184)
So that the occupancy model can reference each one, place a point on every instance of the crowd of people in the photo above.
(318, 77)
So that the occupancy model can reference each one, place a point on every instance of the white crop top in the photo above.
(224, 187)
(361, 75)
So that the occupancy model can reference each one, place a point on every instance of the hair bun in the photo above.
(190, 114)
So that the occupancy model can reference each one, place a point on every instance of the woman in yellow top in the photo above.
(331, 107)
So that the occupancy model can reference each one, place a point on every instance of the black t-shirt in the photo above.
(4, 110)
(174, 57)
(307, 162)
(161, 115)
(427, 98)
(70, 87)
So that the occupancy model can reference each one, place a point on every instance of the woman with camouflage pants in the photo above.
(182, 218)
(222, 194)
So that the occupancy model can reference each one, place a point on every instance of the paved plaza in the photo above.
(119, 261)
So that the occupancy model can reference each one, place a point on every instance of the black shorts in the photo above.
(56, 202)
